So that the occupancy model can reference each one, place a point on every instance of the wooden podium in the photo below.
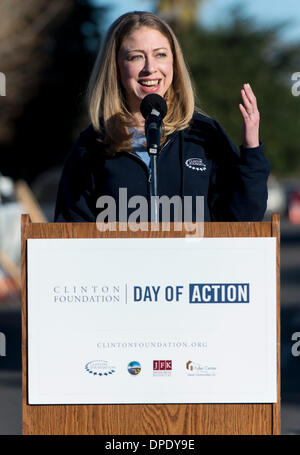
(147, 419)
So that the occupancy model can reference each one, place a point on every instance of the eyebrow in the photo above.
(140, 50)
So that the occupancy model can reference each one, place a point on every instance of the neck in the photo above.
(138, 120)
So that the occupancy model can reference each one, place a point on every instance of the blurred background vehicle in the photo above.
(294, 207)
(276, 197)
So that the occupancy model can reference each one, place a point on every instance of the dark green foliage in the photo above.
(222, 59)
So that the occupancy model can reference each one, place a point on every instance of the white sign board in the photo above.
(151, 320)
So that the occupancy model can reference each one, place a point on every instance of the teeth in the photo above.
(148, 83)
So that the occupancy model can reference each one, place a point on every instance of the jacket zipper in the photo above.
(136, 157)
(143, 163)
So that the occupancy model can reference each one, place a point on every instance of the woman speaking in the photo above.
(141, 56)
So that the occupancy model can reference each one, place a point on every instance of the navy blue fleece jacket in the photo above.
(198, 161)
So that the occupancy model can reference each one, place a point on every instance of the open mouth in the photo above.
(150, 83)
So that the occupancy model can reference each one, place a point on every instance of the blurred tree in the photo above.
(222, 59)
(47, 50)
(179, 13)
(21, 40)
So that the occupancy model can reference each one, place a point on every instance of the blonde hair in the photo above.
(107, 105)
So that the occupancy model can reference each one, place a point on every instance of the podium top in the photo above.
(145, 230)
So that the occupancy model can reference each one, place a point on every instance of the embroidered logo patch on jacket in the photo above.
(196, 164)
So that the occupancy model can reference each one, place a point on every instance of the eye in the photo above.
(161, 54)
(135, 57)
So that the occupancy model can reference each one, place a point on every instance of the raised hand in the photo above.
(251, 117)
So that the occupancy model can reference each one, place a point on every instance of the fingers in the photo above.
(251, 116)
(248, 99)
(243, 112)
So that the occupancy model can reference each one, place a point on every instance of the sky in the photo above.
(215, 12)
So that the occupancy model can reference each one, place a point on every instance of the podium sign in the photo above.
(151, 320)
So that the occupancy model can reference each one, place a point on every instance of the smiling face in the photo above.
(145, 64)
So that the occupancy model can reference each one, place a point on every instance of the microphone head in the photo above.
(153, 101)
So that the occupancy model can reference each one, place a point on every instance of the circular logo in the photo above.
(196, 164)
(134, 368)
(100, 368)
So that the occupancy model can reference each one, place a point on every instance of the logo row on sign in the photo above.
(159, 367)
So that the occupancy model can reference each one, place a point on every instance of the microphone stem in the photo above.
(154, 196)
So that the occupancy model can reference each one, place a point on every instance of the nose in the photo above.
(149, 66)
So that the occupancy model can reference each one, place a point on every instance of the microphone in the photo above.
(153, 108)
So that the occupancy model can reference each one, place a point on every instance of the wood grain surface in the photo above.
(150, 419)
